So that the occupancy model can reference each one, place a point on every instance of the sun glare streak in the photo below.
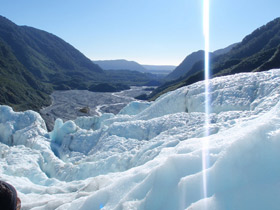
(207, 99)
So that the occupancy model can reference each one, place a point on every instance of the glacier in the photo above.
(149, 156)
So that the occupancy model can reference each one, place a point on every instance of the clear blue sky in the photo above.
(146, 31)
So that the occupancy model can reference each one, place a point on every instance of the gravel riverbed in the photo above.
(67, 105)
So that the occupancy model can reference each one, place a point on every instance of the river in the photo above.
(67, 105)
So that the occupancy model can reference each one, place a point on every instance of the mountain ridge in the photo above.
(123, 64)
(49, 62)
(258, 51)
(184, 69)
(120, 64)
(185, 66)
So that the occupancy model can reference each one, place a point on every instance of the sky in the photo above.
(159, 32)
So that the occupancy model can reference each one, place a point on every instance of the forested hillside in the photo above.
(259, 51)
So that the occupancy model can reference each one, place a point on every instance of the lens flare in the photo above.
(205, 152)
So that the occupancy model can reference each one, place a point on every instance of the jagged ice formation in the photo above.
(149, 156)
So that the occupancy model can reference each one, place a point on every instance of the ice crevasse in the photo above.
(149, 156)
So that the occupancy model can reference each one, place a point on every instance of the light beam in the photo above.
(205, 152)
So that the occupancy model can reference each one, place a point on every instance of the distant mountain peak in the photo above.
(120, 64)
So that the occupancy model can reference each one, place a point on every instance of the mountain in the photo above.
(120, 65)
(123, 64)
(185, 66)
(152, 156)
(259, 51)
(224, 50)
(133, 78)
(159, 69)
(38, 61)
(18, 87)
(45, 55)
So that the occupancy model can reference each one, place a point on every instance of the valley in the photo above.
(66, 105)
(74, 136)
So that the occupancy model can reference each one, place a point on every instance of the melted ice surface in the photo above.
(149, 155)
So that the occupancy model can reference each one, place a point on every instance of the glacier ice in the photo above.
(149, 155)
